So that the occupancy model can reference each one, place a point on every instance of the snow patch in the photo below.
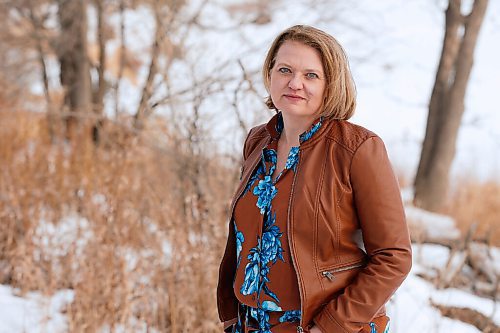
(58, 239)
(432, 225)
(33, 313)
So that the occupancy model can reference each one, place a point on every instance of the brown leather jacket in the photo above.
(346, 224)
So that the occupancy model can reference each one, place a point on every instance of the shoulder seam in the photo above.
(346, 147)
(357, 148)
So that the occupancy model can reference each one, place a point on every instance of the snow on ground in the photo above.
(460, 298)
(432, 224)
(409, 309)
(57, 239)
(411, 312)
(32, 313)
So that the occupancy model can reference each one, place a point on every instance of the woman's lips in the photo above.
(294, 97)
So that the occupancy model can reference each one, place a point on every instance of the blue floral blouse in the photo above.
(265, 282)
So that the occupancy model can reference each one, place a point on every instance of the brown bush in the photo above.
(134, 227)
(476, 201)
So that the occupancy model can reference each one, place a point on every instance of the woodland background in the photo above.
(121, 128)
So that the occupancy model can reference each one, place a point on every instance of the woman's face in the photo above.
(297, 80)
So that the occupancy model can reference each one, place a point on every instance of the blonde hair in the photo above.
(339, 101)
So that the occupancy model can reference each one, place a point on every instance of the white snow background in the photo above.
(409, 308)
(394, 47)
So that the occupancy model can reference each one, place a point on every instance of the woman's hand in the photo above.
(315, 329)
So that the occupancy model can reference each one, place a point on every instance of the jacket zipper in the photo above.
(299, 328)
(330, 274)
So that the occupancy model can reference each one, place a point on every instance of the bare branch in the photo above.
(121, 65)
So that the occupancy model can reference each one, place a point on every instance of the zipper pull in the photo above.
(300, 329)
(329, 275)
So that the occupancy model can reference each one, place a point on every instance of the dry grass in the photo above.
(135, 230)
(472, 201)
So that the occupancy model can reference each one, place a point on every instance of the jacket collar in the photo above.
(275, 126)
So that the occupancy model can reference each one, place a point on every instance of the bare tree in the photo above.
(37, 27)
(73, 58)
(446, 105)
(167, 24)
(98, 96)
(147, 91)
(122, 52)
(22, 28)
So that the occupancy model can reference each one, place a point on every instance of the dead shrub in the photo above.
(135, 226)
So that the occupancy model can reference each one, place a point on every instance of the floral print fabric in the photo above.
(265, 281)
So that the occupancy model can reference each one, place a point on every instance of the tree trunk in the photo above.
(101, 88)
(446, 105)
(73, 59)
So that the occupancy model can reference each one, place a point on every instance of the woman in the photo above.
(317, 238)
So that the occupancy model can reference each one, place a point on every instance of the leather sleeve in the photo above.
(227, 303)
(386, 238)
(252, 140)
(246, 146)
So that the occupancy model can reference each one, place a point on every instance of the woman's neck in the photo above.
(293, 127)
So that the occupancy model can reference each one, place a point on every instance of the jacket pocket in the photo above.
(331, 273)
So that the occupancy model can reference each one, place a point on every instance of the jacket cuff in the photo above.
(327, 323)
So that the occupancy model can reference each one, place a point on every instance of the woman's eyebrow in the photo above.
(306, 70)
(283, 64)
(313, 70)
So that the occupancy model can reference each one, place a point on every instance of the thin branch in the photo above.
(147, 89)
(37, 27)
(122, 57)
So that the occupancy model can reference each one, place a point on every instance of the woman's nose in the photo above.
(295, 82)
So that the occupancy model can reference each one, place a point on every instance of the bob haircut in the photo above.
(339, 101)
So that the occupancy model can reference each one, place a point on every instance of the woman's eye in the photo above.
(284, 70)
(312, 76)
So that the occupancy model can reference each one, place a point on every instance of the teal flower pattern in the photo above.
(265, 191)
(239, 243)
(260, 171)
(290, 316)
(261, 258)
(307, 135)
(293, 158)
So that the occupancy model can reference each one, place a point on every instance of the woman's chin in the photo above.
(297, 111)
